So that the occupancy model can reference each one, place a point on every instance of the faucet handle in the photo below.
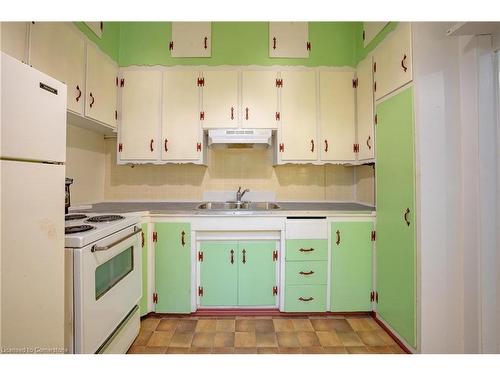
(239, 189)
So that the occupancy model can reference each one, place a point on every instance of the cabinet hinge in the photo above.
(116, 81)
(142, 239)
(374, 235)
(275, 255)
(155, 236)
(355, 147)
(376, 297)
(374, 67)
(200, 81)
(278, 116)
(372, 296)
(116, 114)
(155, 298)
(200, 291)
(364, 35)
(282, 147)
(198, 146)
(376, 119)
(275, 290)
(354, 82)
(122, 82)
(202, 116)
(171, 46)
(279, 82)
(120, 147)
(200, 256)
(308, 46)
(375, 86)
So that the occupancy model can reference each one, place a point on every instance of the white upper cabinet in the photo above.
(191, 39)
(364, 99)
(140, 116)
(57, 49)
(337, 116)
(259, 99)
(289, 39)
(181, 132)
(371, 30)
(220, 99)
(392, 61)
(101, 88)
(298, 140)
(14, 39)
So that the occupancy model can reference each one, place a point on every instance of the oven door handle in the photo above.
(107, 247)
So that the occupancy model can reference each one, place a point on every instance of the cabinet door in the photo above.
(191, 39)
(337, 111)
(298, 116)
(392, 59)
(364, 98)
(14, 37)
(396, 214)
(351, 266)
(256, 273)
(100, 102)
(173, 267)
(371, 30)
(220, 99)
(143, 304)
(140, 115)
(57, 49)
(219, 274)
(181, 116)
(259, 99)
(288, 39)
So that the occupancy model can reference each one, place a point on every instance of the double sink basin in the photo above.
(244, 206)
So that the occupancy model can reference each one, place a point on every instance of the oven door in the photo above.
(107, 285)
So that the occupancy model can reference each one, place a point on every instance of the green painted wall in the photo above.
(109, 42)
(361, 51)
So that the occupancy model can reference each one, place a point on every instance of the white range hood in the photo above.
(240, 137)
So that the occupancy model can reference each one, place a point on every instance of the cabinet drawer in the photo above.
(306, 298)
(306, 273)
(307, 250)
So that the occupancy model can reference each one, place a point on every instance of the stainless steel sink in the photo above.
(229, 206)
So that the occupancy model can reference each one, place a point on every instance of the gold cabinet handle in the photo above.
(406, 216)
(338, 238)
(183, 239)
(305, 299)
(306, 273)
(306, 250)
(232, 256)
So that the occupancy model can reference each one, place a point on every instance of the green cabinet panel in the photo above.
(395, 177)
(306, 249)
(305, 298)
(351, 266)
(308, 272)
(173, 267)
(219, 273)
(256, 273)
(143, 304)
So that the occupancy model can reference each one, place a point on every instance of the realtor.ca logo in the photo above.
(34, 350)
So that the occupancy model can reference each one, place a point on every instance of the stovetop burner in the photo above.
(77, 229)
(74, 217)
(104, 218)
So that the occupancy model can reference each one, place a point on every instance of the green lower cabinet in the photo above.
(305, 298)
(173, 267)
(352, 273)
(143, 304)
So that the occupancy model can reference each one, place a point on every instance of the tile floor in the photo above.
(263, 335)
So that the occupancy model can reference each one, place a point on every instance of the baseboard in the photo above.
(389, 332)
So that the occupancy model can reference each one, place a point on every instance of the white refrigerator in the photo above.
(32, 176)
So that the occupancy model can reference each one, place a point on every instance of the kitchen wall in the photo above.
(364, 176)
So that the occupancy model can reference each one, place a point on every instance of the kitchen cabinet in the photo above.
(219, 99)
(259, 99)
(337, 112)
(101, 87)
(351, 273)
(140, 116)
(57, 49)
(371, 30)
(181, 131)
(289, 39)
(191, 39)
(143, 304)
(392, 61)
(298, 139)
(396, 237)
(305, 298)
(14, 39)
(364, 106)
(172, 267)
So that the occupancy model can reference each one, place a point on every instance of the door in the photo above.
(181, 131)
(364, 99)
(143, 305)
(57, 49)
(14, 39)
(395, 178)
(220, 99)
(219, 274)
(337, 116)
(173, 267)
(259, 99)
(351, 284)
(288, 39)
(191, 39)
(298, 116)
(140, 115)
(100, 102)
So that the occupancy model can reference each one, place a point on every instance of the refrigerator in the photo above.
(32, 183)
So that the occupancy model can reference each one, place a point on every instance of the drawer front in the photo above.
(305, 298)
(306, 272)
(306, 249)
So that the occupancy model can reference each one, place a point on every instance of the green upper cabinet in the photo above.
(351, 266)
(143, 305)
(395, 178)
(173, 267)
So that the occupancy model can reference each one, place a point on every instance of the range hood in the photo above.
(240, 137)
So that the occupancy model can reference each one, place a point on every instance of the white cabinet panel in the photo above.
(364, 99)
(288, 39)
(14, 39)
(220, 99)
(140, 116)
(191, 39)
(181, 133)
(371, 30)
(337, 116)
(259, 99)
(100, 101)
(57, 49)
(298, 116)
(96, 27)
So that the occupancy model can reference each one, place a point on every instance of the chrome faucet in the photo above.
(240, 194)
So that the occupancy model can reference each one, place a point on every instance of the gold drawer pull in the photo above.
(306, 250)
(305, 299)
(306, 273)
